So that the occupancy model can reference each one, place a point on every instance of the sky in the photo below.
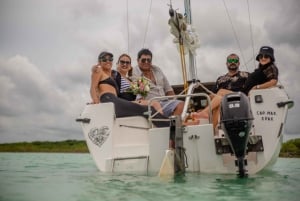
(47, 49)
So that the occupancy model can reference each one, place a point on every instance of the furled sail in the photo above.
(180, 28)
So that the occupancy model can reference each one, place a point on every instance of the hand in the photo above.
(93, 102)
(96, 68)
(253, 87)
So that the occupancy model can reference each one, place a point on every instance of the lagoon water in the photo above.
(74, 177)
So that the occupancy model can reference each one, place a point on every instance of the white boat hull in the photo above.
(130, 145)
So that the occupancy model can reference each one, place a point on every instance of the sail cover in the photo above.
(180, 28)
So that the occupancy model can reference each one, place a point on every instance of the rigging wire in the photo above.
(235, 34)
(127, 17)
(251, 33)
(147, 25)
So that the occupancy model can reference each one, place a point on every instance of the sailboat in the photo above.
(247, 140)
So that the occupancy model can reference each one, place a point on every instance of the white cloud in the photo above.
(32, 104)
(48, 47)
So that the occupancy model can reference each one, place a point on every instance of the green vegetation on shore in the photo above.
(289, 149)
(68, 146)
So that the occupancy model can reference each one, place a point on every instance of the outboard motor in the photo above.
(236, 122)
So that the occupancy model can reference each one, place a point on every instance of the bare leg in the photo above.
(157, 106)
(216, 115)
(179, 108)
(154, 104)
(215, 104)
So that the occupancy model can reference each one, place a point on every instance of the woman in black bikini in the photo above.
(105, 87)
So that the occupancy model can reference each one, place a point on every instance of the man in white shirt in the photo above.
(159, 84)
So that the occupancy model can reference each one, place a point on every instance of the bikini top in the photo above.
(110, 82)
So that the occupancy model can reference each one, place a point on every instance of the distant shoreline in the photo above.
(67, 146)
(289, 149)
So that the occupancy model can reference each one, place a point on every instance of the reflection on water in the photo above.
(74, 177)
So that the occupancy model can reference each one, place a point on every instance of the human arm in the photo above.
(267, 84)
(216, 87)
(271, 73)
(163, 81)
(170, 93)
(95, 77)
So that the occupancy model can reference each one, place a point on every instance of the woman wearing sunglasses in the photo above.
(123, 79)
(105, 89)
(266, 75)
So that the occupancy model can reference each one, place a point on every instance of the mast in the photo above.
(187, 40)
(178, 25)
(192, 69)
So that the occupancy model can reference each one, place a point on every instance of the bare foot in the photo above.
(200, 115)
(194, 122)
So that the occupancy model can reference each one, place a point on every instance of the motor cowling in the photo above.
(236, 121)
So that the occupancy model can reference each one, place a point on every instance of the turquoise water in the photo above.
(74, 177)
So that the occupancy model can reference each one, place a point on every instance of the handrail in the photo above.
(187, 99)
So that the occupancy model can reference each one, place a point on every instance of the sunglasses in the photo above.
(232, 60)
(263, 56)
(125, 62)
(146, 60)
(107, 59)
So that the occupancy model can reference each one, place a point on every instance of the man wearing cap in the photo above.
(266, 75)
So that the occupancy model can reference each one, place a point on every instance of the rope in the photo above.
(147, 25)
(184, 91)
(235, 34)
(127, 16)
(203, 87)
(251, 32)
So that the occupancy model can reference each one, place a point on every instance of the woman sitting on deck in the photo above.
(123, 79)
(266, 75)
(104, 89)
